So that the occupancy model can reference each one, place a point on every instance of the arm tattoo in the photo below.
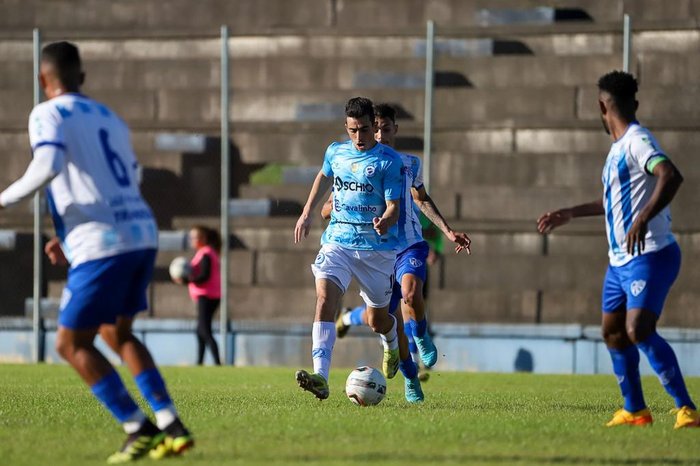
(430, 210)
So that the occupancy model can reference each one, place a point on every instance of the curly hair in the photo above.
(621, 86)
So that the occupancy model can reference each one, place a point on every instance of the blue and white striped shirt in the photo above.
(410, 231)
(628, 185)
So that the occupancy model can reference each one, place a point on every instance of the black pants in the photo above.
(206, 308)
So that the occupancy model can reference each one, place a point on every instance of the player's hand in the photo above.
(55, 253)
(303, 227)
(380, 225)
(551, 220)
(635, 237)
(462, 240)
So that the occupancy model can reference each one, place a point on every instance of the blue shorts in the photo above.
(642, 283)
(412, 260)
(101, 290)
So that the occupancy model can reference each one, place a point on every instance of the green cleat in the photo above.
(314, 383)
(390, 365)
(413, 390)
(138, 444)
(426, 349)
(177, 441)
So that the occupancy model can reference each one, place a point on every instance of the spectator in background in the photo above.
(204, 285)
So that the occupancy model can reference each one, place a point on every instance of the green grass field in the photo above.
(259, 416)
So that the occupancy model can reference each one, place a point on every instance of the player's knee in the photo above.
(373, 320)
(614, 338)
(411, 296)
(65, 347)
(637, 332)
(117, 338)
(411, 292)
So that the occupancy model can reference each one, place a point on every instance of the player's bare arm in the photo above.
(426, 205)
(551, 220)
(321, 185)
(327, 208)
(389, 218)
(668, 182)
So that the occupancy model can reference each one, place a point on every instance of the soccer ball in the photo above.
(180, 268)
(365, 386)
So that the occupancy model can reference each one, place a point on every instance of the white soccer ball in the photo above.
(365, 386)
(180, 268)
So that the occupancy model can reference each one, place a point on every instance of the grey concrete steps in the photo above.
(574, 306)
(251, 16)
(537, 41)
(137, 15)
(301, 73)
(296, 304)
(454, 108)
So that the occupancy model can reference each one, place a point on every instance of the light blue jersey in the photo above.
(410, 231)
(362, 183)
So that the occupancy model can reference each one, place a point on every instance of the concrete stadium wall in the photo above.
(542, 349)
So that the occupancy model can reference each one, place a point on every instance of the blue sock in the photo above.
(626, 368)
(408, 368)
(110, 390)
(663, 360)
(412, 347)
(152, 387)
(356, 316)
(419, 328)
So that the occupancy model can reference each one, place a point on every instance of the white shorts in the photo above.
(373, 270)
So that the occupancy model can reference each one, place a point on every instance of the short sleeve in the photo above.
(393, 179)
(327, 168)
(645, 151)
(418, 179)
(45, 128)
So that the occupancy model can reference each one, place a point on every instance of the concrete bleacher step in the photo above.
(246, 303)
(670, 103)
(482, 305)
(583, 306)
(304, 143)
(303, 73)
(256, 16)
(668, 69)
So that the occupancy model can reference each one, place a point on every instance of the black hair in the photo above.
(622, 87)
(65, 58)
(359, 107)
(385, 111)
(211, 236)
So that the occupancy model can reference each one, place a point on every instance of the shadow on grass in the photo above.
(467, 458)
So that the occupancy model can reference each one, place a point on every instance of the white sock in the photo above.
(323, 340)
(134, 423)
(165, 416)
(346, 318)
(390, 339)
